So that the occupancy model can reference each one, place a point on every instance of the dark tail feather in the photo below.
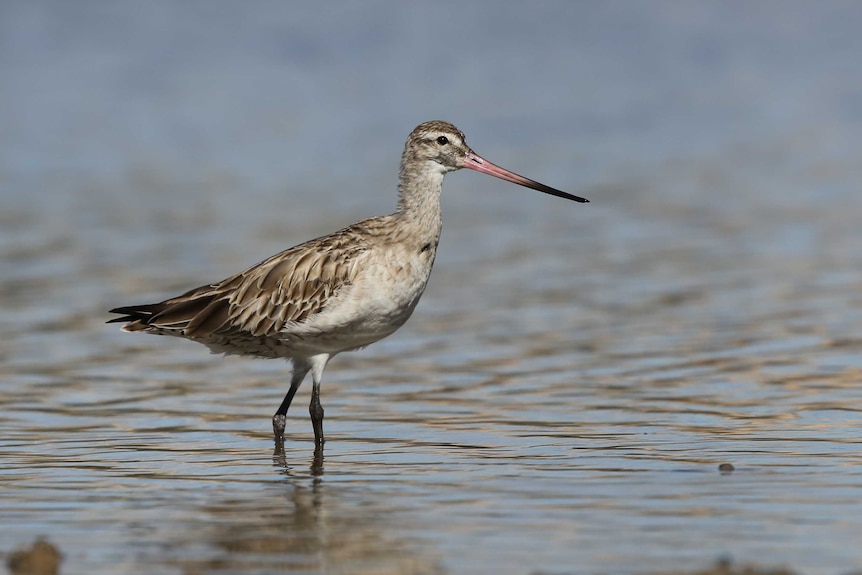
(141, 313)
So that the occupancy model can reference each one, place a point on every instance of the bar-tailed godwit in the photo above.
(336, 293)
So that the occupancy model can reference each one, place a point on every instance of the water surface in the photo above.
(565, 393)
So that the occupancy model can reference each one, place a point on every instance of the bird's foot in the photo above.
(317, 424)
(279, 422)
(316, 411)
(319, 440)
(317, 461)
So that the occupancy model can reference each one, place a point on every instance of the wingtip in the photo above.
(129, 314)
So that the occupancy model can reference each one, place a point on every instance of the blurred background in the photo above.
(565, 392)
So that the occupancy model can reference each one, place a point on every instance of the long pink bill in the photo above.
(476, 162)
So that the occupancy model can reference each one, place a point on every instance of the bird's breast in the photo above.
(388, 289)
(382, 295)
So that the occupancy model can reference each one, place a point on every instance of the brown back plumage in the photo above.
(287, 288)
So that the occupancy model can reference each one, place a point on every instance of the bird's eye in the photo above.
(442, 140)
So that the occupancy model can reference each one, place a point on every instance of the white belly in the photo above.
(381, 298)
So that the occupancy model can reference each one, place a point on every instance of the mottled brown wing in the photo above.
(170, 316)
(290, 287)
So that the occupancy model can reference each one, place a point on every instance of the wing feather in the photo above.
(289, 288)
(293, 286)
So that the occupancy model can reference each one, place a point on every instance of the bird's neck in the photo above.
(419, 197)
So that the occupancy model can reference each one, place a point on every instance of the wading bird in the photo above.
(336, 293)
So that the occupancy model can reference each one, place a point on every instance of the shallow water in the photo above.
(575, 374)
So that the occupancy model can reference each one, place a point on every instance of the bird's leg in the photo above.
(279, 420)
(316, 411)
(316, 467)
(318, 363)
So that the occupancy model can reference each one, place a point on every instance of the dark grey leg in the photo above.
(316, 411)
(318, 364)
(279, 420)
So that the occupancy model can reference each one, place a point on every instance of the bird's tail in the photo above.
(137, 317)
